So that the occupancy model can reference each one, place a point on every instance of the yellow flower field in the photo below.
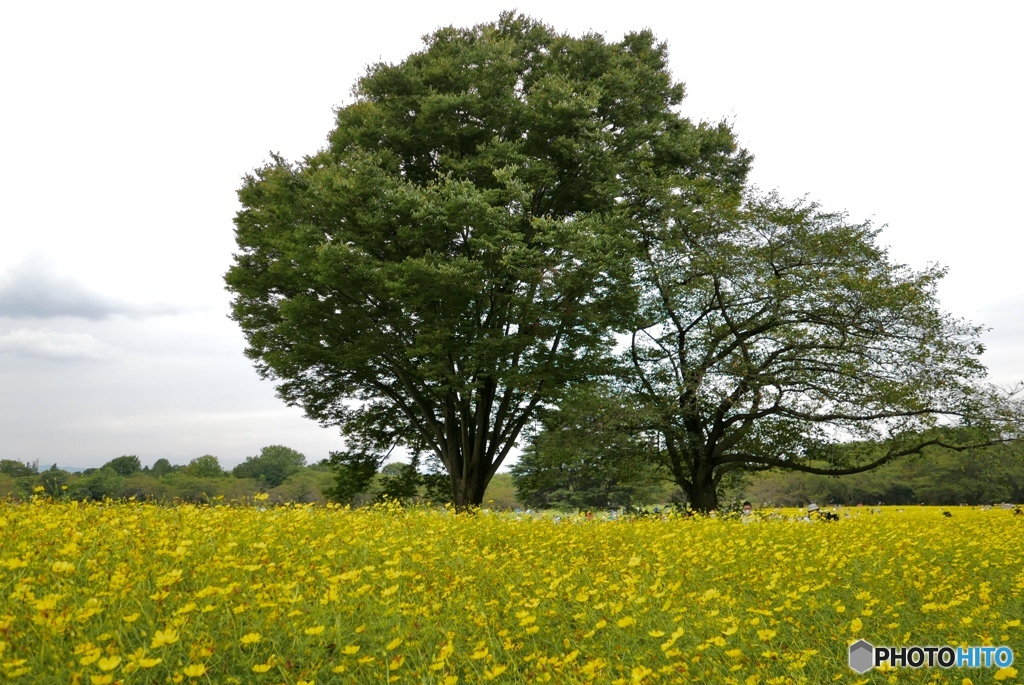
(136, 593)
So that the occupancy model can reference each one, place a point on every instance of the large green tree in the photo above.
(272, 466)
(16, 469)
(125, 465)
(460, 252)
(206, 466)
(771, 334)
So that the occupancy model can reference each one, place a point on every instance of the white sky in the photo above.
(126, 128)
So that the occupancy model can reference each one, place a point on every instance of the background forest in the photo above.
(984, 476)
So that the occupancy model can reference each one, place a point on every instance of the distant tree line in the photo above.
(570, 465)
(985, 476)
(279, 471)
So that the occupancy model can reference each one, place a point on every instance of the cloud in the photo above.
(53, 346)
(33, 289)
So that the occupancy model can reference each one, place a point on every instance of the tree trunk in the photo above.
(465, 457)
(702, 492)
(468, 491)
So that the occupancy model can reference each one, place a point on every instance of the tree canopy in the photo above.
(460, 253)
(495, 214)
(206, 466)
(16, 469)
(124, 465)
(272, 466)
(770, 334)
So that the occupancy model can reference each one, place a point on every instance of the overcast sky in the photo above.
(126, 127)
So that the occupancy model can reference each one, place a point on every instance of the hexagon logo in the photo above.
(862, 656)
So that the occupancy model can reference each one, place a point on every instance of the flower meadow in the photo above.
(128, 592)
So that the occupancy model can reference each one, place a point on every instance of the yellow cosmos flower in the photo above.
(46, 604)
(494, 672)
(12, 668)
(130, 618)
(260, 668)
(314, 630)
(250, 638)
(350, 649)
(626, 622)
(104, 679)
(149, 663)
(164, 637)
(639, 673)
(479, 653)
(194, 670)
(1005, 673)
(394, 644)
(109, 663)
